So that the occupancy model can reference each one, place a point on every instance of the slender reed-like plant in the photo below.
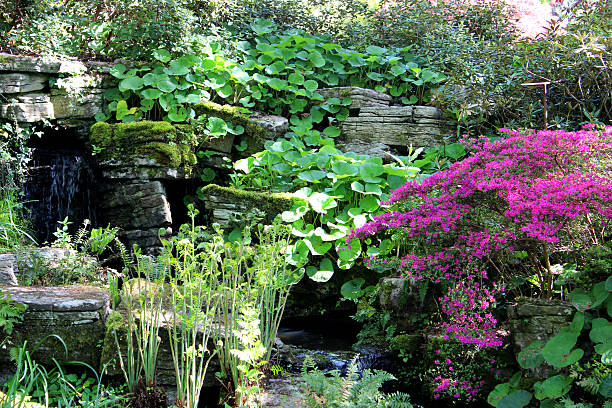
(255, 280)
(193, 302)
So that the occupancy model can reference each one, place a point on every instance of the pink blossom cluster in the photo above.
(526, 191)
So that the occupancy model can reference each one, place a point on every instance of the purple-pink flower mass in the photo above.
(530, 192)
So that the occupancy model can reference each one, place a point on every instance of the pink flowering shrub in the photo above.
(514, 208)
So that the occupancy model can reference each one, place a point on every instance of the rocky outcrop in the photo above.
(536, 319)
(26, 264)
(360, 97)
(36, 89)
(400, 297)
(77, 314)
(399, 126)
(225, 202)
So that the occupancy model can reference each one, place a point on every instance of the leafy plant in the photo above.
(355, 390)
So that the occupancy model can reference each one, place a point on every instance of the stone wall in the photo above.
(36, 89)
(376, 123)
(535, 319)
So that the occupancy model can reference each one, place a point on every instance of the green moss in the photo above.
(108, 357)
(406, 342)
(160, 141)
(254, 134)
(270, 203)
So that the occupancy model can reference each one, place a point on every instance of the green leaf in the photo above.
(322, 202)
(311, 85)
(331, 131)
(323, 273)
(316, 59)
(553, 387)
(499, 392)
(207, 175)
(581, 299)
(313, 176)
(316, 245)
(369, 203)
(161, 55)
(348, 252)
(277, 84)
(151, 93)
(370, 171)
(410, 101)
(132, 83)
(605, 388)
(601, 333)
(296, 78)
(344, 169)
(166, 86)
(118, 71)
(530, 356)
(455, 150)
(357, 186)
(375, 50)
(397, 70)
(516, 399)
(352, 289)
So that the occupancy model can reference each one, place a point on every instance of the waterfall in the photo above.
(60, 184)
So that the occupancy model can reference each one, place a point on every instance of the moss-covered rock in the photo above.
(225, 201)
(406, 342)
(254, 134)
(161, 141)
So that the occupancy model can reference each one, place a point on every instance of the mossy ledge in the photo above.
(254, 134)
(169, 145)
(270, 203)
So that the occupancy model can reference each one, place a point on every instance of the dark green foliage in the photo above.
(352, 391)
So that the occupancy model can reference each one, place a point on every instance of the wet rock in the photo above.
(84, 103)
(7, 270)
(77, 314)
(366, 148)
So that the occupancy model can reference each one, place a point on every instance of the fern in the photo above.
(11, 312)
(352, 391)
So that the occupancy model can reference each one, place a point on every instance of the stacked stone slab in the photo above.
(376, 125)
(36, 89)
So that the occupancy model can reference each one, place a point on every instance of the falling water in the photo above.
(60, 184)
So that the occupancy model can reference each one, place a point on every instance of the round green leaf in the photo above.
(311, 85)
(323, 273)
(369, 203)
(166, 86)
(316, 59)
(370, 171)
(516, 399)
(132, 83)
(352, 289)
(344, 169)
(151, 93)
(161, 55)
(296, 78)
(605, 388)
(530, 356)
(331, 131)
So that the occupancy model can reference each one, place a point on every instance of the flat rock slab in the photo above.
(60, 298)
(360, 97)
(76, 314)
(16, 82)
